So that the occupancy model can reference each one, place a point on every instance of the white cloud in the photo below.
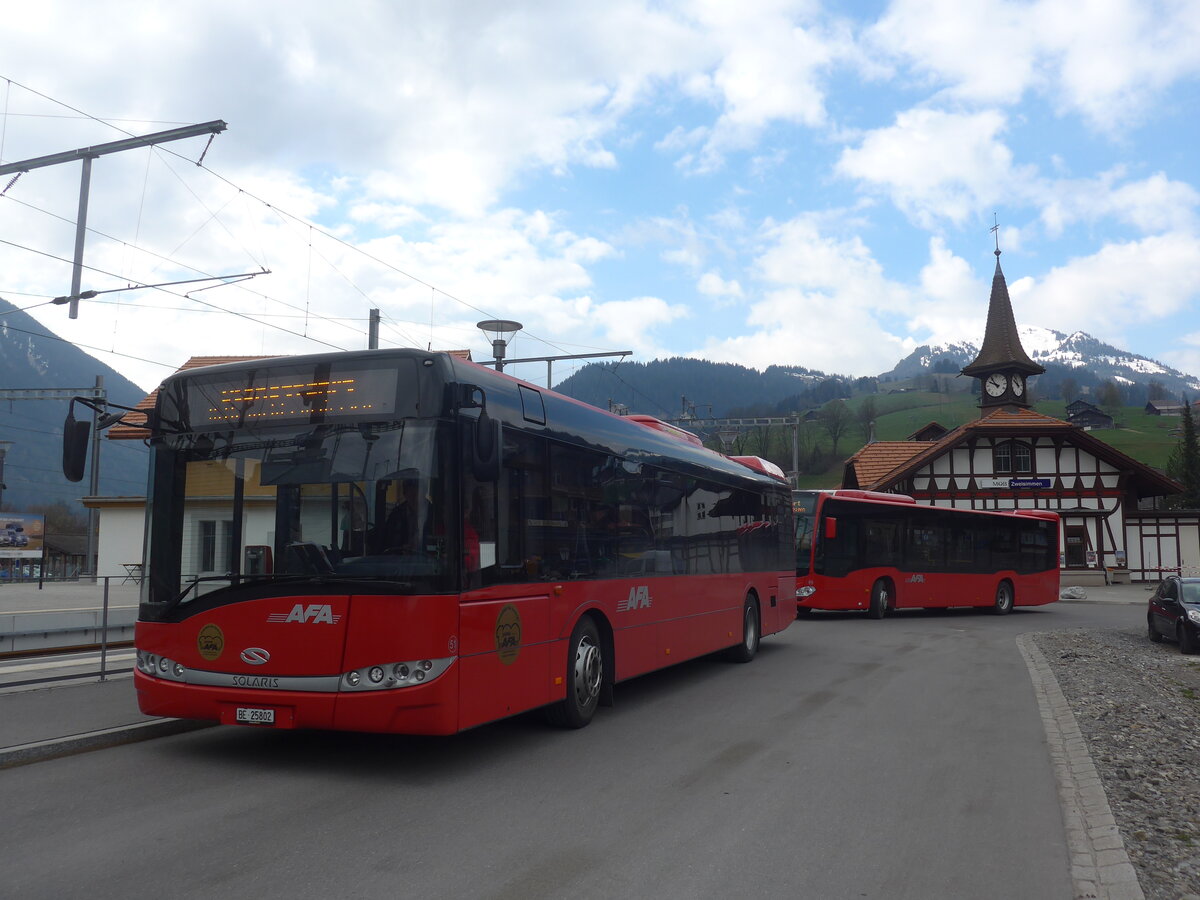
(821, 306)
(937, 165)
(1106, 61)
(772, 60)
(1152, 204)
(712, 284)
(1122, 284)
(953, 299)
(631, 324)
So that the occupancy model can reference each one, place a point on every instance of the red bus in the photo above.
(862, 550)
(402, 541)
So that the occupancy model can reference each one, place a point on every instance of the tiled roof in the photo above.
(875, 460)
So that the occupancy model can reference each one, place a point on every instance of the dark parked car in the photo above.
(1175, 613)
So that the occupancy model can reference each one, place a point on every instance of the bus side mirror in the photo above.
(75, 441)
(485, 449)
(830, 529)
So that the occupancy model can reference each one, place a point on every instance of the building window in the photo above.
(215, 549)
(208, 546)
(1012, 457)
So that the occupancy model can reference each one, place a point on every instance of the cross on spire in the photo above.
(995, 229)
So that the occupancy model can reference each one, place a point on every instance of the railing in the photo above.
(31, 632)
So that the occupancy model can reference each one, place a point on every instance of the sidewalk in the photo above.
(60, 720)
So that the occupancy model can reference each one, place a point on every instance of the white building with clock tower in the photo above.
(1112, 526)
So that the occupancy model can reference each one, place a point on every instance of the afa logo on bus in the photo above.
(639, 598)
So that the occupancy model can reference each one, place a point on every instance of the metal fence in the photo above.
(93, 622)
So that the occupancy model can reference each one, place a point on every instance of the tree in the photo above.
(1109, 394)
(835, 418)
(1155, 392)
(60, 518)
(866, 414)
(1186, 461)
(1069, 389)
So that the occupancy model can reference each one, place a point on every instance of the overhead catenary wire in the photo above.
(164, 150)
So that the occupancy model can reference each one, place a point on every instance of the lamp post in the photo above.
(499, 331)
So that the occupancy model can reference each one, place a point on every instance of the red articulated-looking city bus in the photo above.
(862, 550)
(401, 541)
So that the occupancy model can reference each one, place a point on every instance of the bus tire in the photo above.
(1151, 631)
(747, 648)
(879, 600)
(1004, 599)
(585, 678)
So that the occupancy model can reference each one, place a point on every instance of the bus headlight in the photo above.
(160, 666)
(807, 591)
(392, 675)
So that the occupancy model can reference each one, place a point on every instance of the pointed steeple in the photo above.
(1001, 344)
(1002, 364)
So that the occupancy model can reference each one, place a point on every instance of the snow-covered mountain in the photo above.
(1077, 355)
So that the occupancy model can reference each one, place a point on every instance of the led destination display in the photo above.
(277, 396)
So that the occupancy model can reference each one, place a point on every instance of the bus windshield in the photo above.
(346, 500)
(804, 506)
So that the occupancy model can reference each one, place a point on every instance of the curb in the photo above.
(1100, 867)
(40, 751)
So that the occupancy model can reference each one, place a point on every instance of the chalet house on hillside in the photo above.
(1014, 457)
(1158, 408)
(1087, 416)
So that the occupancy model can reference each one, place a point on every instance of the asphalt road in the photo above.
(852, 759)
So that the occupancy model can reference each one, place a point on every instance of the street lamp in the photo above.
(499, 330)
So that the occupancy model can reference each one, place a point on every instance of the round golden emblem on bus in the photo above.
(508, 634)
(210, 642)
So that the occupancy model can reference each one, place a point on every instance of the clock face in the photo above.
(1018, 385)
(996, 384)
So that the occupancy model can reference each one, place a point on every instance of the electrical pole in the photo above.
(87, 154)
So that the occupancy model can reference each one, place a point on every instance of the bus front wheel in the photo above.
(585, 677)
(751, 633)
(879, 600)
(1004, 599)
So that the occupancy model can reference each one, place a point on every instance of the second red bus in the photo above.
(875, 552)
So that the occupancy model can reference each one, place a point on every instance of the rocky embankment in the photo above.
(1137, 704)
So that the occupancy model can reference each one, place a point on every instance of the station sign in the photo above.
(1016, 484)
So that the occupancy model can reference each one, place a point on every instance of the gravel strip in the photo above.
(1137, 705)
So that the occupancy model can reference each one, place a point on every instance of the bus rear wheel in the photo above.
(585, 678)
(879, 600)
(751, 633)
(1004, 599)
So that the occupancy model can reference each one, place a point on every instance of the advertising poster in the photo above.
(21, 535)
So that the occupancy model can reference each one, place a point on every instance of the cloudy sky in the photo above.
(756, 182)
